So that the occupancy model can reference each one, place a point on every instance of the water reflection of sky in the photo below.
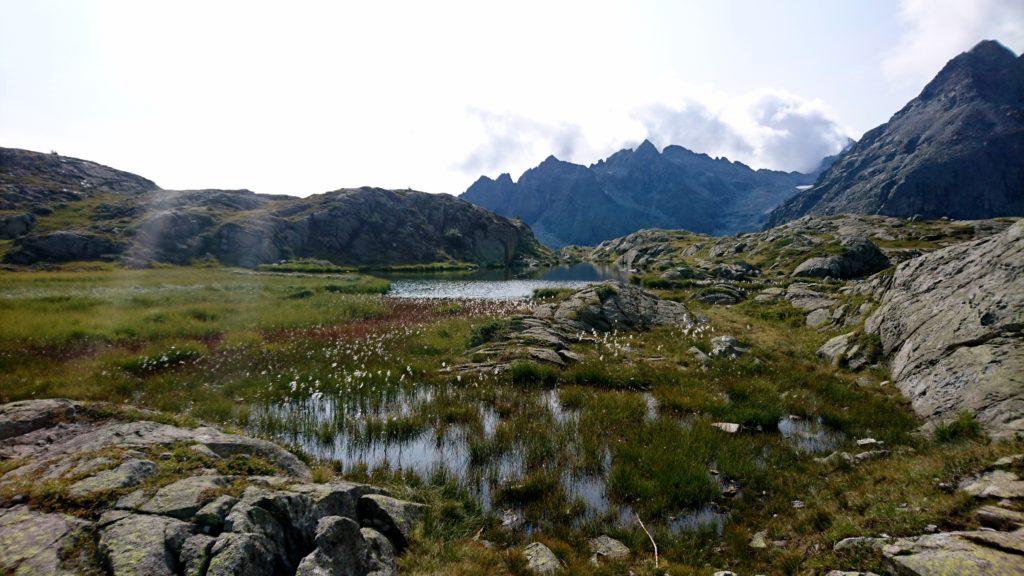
(446, 449)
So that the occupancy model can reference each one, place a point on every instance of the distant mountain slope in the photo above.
(59, 209)
(568, 203)
(956, 150)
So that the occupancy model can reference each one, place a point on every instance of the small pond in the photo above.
(497, 284)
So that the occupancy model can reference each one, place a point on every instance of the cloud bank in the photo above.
(764, 129)
(936, 30)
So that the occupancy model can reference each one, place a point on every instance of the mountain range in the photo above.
(957, 150)
(566, 203)
(57, 209)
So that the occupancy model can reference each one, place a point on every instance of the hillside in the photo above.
(58, 209)
(957, 150)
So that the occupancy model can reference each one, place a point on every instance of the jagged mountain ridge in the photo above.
(568, 203)
(956, 150)
(60, 209)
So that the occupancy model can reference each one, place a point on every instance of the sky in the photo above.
(304, 97)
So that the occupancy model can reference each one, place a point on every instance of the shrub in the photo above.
(486, 332)
(965, 427)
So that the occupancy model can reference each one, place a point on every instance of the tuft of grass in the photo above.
(158, 361)
(524, 372)
(551, 293)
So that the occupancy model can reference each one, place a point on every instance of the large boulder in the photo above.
(859, 257)
(951, 323)
(392, 517)
(615, 306)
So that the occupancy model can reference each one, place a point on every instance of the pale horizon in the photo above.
(402, 96)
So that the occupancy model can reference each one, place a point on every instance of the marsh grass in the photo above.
(222, 346)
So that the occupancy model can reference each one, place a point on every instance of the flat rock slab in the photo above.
(182, 499)
(949, 322)
(999, 518)
(144, 434)
(31, 541)
(994, 484)
(130, 473)
(965, 553)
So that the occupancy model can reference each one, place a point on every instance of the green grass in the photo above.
(228, 347)
(104, 306)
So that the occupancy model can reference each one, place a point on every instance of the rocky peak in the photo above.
(954, 151)
(989, 70)
(646, 150)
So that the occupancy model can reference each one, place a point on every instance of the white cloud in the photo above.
(764, 129)
(512, 140)
(938, 30)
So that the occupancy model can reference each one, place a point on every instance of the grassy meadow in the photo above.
(358, 383)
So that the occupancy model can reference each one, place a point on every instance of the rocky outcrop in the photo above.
(358, 227)
(63, 246)
(957, 150)
(952, 324)
(30, 180)
(697, 258)
(146, 509)
(547, 333)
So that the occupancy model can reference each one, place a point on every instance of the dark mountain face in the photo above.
(62, 209)
(957, 150)
(568, 203)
